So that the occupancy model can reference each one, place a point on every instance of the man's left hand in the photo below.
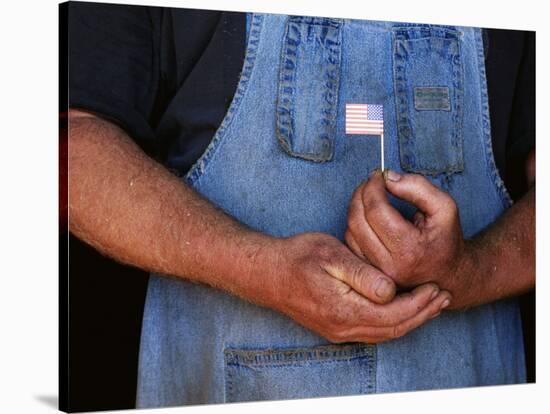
(431, 248)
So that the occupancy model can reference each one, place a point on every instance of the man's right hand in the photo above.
(131, 208)
(318, 282)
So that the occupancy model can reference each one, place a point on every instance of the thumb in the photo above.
(418, 191)
(364, 278)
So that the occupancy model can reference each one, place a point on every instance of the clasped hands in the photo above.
(394, 275)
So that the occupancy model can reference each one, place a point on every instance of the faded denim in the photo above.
(282, 164)
(307, 99)
(428, 65)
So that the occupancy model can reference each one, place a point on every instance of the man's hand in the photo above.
(131, 208)
(432, 247)
(321, 284)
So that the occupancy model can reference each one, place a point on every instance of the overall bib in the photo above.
(282, 164)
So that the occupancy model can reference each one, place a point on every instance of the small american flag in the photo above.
(364, 119)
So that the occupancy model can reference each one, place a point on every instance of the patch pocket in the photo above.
(309, 77)
(322, 371)
(428, 77)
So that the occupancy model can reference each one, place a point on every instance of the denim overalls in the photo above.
(282, 164)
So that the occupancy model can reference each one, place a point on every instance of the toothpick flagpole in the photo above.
(366, 119)
(382, 151)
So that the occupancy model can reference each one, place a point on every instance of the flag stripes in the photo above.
(364, 119)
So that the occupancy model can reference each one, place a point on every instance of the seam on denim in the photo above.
(365, 366)
(403, 106)
(457, 136)
(372, 363)
(396, 26)
(247, 31)
(299, 356)
(298, 364)
(228, 389)
(198, 169)
(317, 21)
(486, 126)
(294, 355)
(289, 66)
(427, 31)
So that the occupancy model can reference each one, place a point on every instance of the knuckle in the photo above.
(358, 192)
(372, 205)
(416, 179)
(354, 206)
(355, 221)
(397, 332)
(359, 274)
(449, 205)
(348, 236)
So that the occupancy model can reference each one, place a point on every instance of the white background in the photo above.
(28, 202)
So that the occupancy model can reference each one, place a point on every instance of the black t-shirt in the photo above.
(167, 76)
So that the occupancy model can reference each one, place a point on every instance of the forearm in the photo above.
(501, 261)
(131, 208)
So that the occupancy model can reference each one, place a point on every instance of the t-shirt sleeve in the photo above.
(113, 67)
(521, 138)
(521, 132)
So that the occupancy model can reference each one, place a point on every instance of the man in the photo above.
(257, 221)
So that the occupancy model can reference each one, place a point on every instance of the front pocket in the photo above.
(428, 78)
(322, 371)
(309, 78)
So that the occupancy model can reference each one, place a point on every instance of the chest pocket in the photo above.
(428, 79)
(309, 78)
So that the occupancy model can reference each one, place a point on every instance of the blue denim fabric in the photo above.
(201, 345)
(307, 100)
(428, 59)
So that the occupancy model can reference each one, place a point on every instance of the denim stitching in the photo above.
(370, 382)
(488, 143)
(196, 172)
(408, 157)
(228, 382)
(402, 29)
(289, 67)
(302, 364)
(270, 357)
(457, 139)
(317, 21)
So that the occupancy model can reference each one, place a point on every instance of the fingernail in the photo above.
(383, 288)
(436, 315)
(391, 175)
(374, 172)
(446, 303)
(434, 293)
